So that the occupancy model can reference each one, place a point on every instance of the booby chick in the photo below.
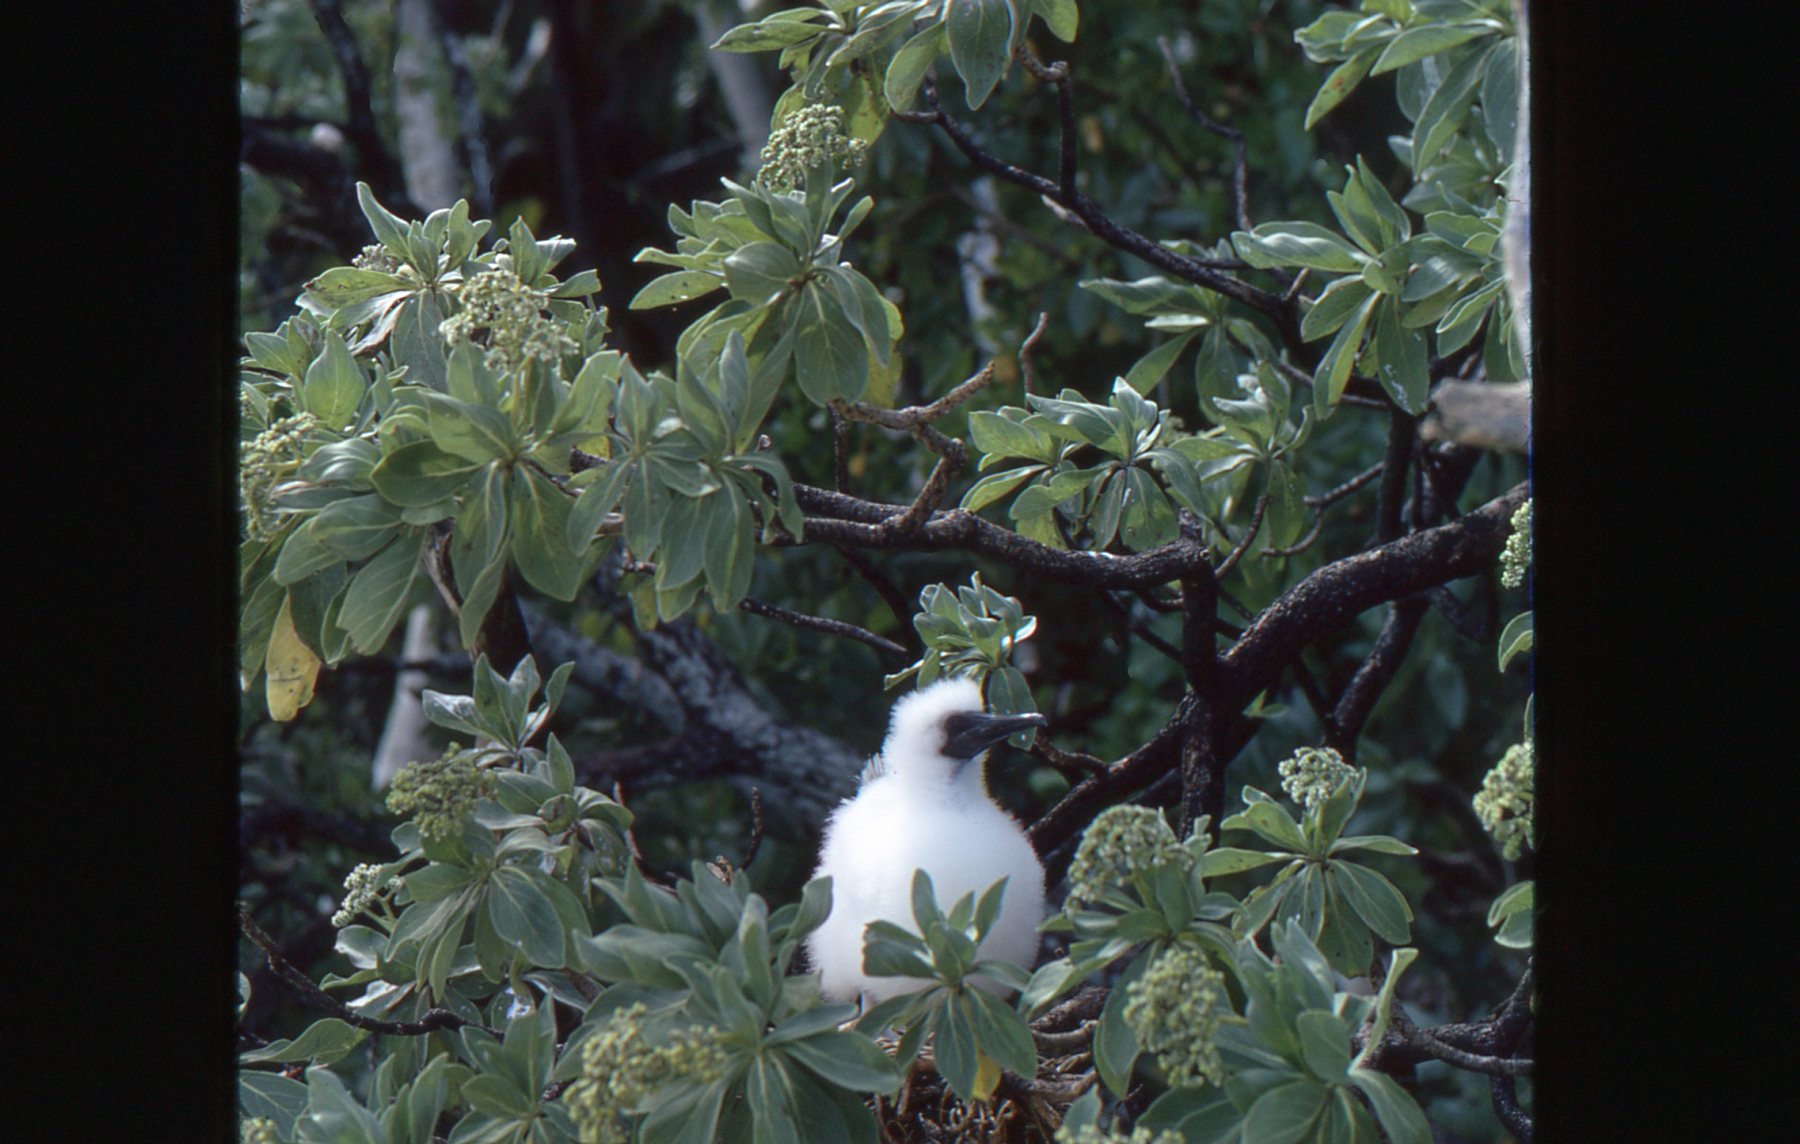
(924, 805)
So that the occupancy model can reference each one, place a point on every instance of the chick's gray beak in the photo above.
(967, 735)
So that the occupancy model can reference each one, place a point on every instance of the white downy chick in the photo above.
(924, 805)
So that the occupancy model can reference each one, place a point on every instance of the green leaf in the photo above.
(907, 70)
(345, 285)
(1334, 307)
(980, 34)
(1512, 912)
(378, 593)
(1296, 244)
(1149, 369)
(1402, 359)
(1286, 1113)
(1447, 108)
(1375, 900)
(760, 271)
(681, 286)
(540, 536)
(355, 528)
(389, 228)
(1395, 1108)
(477, 433)
(271, 1096)
(334, 385)
(1500, 96)
(958, 1054)
(333, 1116)
(421, 474)
(1002, 1034)
(1288, 516)
(771, 1105)
(1515, 638)
(1325, 1044)
(1333, 372)
(324, 1041)
(1339, 84)
(1231, 860)
(1429, 39)
(524, 917)
(848, 1060)
(1061, 16)
(1115, 1042)
(301, 556)
(830, 357)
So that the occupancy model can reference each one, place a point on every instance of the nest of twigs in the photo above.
(1025, 1110)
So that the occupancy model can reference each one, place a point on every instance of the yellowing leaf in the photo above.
(291, 667)
(987, 1077)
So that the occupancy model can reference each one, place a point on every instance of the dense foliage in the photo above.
(974, 362)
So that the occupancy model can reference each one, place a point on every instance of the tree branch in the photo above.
(314, 997)
(1240, 184)
(831, 627)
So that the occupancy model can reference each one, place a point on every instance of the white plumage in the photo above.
(924, 805)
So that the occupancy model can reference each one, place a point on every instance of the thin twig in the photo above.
(840, 450)
(821, 624)
(1240, 178)
(314, 997)
(1027, 374)
(911, 418)
(1332, 496)
(1243, 545)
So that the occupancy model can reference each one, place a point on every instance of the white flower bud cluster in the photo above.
(266, 461)
(621, 1071)
(512, 317)
(1504, 803)
(812, 136)
(1312, 774)
(361, 887)
(1123, 840)
(1176, 1009)
(1516, 557)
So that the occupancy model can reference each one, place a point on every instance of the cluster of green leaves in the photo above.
(490, 927)
(408, 435)
(973, 631)
(1338, 902)
(882, 50)
(800, 309)
(684, 467)
(957, 1005)
(1292, 1075)
(1285, 1048)
(712, 954)
(1150, 895)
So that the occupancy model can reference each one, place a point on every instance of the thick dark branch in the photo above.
(314, 997)
(1136, 770)
(1393, 475)
(831, 627)
(1377, 671)
(1506, 1108)
(1058, 74)
(869, 524)
(1338, 591)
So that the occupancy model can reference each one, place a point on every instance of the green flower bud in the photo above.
(258, 1130)
(439, 795)
(361, 888)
